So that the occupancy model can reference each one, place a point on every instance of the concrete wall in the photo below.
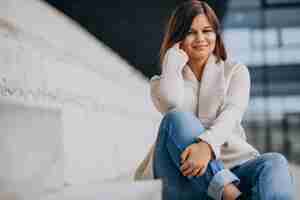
(31, 150)
(47, 61)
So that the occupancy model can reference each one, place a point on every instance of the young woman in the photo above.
(201, 150)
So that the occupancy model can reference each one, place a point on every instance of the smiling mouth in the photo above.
(200, 47)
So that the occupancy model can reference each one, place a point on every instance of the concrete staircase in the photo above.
(75, 119)
(145, 190)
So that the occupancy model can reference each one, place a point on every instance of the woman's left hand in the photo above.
(195, 158)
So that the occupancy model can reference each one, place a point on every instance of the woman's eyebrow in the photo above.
(194, 29)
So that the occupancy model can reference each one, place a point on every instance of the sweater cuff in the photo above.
(207, 137)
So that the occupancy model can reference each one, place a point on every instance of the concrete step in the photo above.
(145, 190)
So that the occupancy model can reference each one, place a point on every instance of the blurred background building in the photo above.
(263, 34)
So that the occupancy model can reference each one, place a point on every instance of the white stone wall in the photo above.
(31, 157)
(46, 60)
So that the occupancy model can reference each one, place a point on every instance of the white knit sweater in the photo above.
(219, 101)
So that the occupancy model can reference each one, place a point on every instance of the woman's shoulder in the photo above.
(232, 66)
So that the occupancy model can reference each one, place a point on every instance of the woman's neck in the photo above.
(197, 66)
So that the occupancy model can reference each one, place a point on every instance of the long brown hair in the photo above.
(181, 21)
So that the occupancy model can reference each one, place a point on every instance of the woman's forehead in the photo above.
(200, 21)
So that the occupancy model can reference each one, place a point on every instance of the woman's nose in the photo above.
(200, 36)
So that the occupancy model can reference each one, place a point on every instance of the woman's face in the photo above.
(200, 41)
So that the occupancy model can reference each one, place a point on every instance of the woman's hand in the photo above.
(175, 57)
(195, 159)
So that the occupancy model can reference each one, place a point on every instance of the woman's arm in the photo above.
(167, 91)
(236, 102)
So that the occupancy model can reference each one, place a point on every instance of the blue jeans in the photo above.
(266, 177)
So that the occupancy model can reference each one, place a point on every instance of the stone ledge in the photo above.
(121, 190)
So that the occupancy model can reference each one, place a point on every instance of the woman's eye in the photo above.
(207, 31)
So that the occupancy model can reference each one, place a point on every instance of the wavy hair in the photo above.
(181, 21)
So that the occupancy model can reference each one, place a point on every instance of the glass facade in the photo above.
(265, 35)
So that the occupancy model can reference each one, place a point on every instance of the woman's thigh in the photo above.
(175, 185)
(184, 128)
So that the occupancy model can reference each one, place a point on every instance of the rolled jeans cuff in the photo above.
(216, 185)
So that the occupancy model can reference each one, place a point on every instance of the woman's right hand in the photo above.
(175, 57)
(195, 159)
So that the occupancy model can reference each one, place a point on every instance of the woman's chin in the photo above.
(199, 56)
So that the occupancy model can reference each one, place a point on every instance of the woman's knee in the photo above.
(182, 127)
(276, 169)
(274, 160)
(274, 176)
(180, 119)
(275, 165)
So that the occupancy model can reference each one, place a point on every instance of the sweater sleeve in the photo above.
(167, 91)
(235, 104)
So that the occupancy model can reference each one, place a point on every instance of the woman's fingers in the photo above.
(195, 171)
(188, 171)
(184, 155)
(184, 166)
(202, 171)
(177, 45)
